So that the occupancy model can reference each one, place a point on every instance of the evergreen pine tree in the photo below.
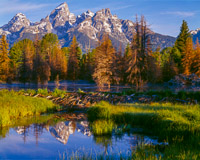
(41, 69)
(182, 37)
(48, 44)
(87, 65)
(180, 45)
(169, 69)
(16, 56)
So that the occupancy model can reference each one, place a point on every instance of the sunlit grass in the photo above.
(43, 92)
(177, 124)
(101, 127)
(166, 115)
(14, 106)
(58, 93)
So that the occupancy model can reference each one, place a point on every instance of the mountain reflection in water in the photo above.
(61, 131)
(47, 139)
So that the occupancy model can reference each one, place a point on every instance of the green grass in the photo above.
(101, 127)
(58, 93)
(179, 125)
(14, 106)
(43, 92)
(165, 118)
(81, 154)
(31, 92)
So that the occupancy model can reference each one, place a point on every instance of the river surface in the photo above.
(64, 85)
(73, 86)
(65, 138)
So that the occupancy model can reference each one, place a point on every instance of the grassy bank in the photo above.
(179, 125)
(14, 106)
(165, 118)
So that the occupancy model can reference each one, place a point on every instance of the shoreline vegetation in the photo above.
(14, 106)
(173, 121)
(176, 124)
(34, 101)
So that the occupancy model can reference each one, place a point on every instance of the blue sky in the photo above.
(163, 16)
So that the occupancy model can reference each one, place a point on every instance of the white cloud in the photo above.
(180, 13)
(121, 7)
(17, 6)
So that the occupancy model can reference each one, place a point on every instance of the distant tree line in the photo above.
(40, 61)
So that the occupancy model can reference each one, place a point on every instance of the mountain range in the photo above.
(87, 28)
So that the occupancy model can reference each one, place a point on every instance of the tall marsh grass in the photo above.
(179, 125)
(165, 118)
(14, 106)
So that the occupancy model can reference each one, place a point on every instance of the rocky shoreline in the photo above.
(184, 80)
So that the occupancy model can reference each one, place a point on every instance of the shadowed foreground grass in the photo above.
(179, 125)
(14, 106)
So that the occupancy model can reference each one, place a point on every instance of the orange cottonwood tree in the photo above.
(137, 66)
(26, 68)
(4, 59)
(197, 59)
(59, 63)
(188, 58)
(104, 56)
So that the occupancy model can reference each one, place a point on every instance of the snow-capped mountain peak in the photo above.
(88, 27)
(108, 12)
(20, 15)
(62, 6)
(88, 13)
(18, 22)
(62, 16)
(193, 32)
(195, 35)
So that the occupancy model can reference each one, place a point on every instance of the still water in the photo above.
(56, 139)
(64, 85)
(73, 86)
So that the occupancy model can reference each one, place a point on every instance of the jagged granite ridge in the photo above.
(87, 27)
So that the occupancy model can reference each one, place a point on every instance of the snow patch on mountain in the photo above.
(20, 15)
(2, 32)
(195, 31)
